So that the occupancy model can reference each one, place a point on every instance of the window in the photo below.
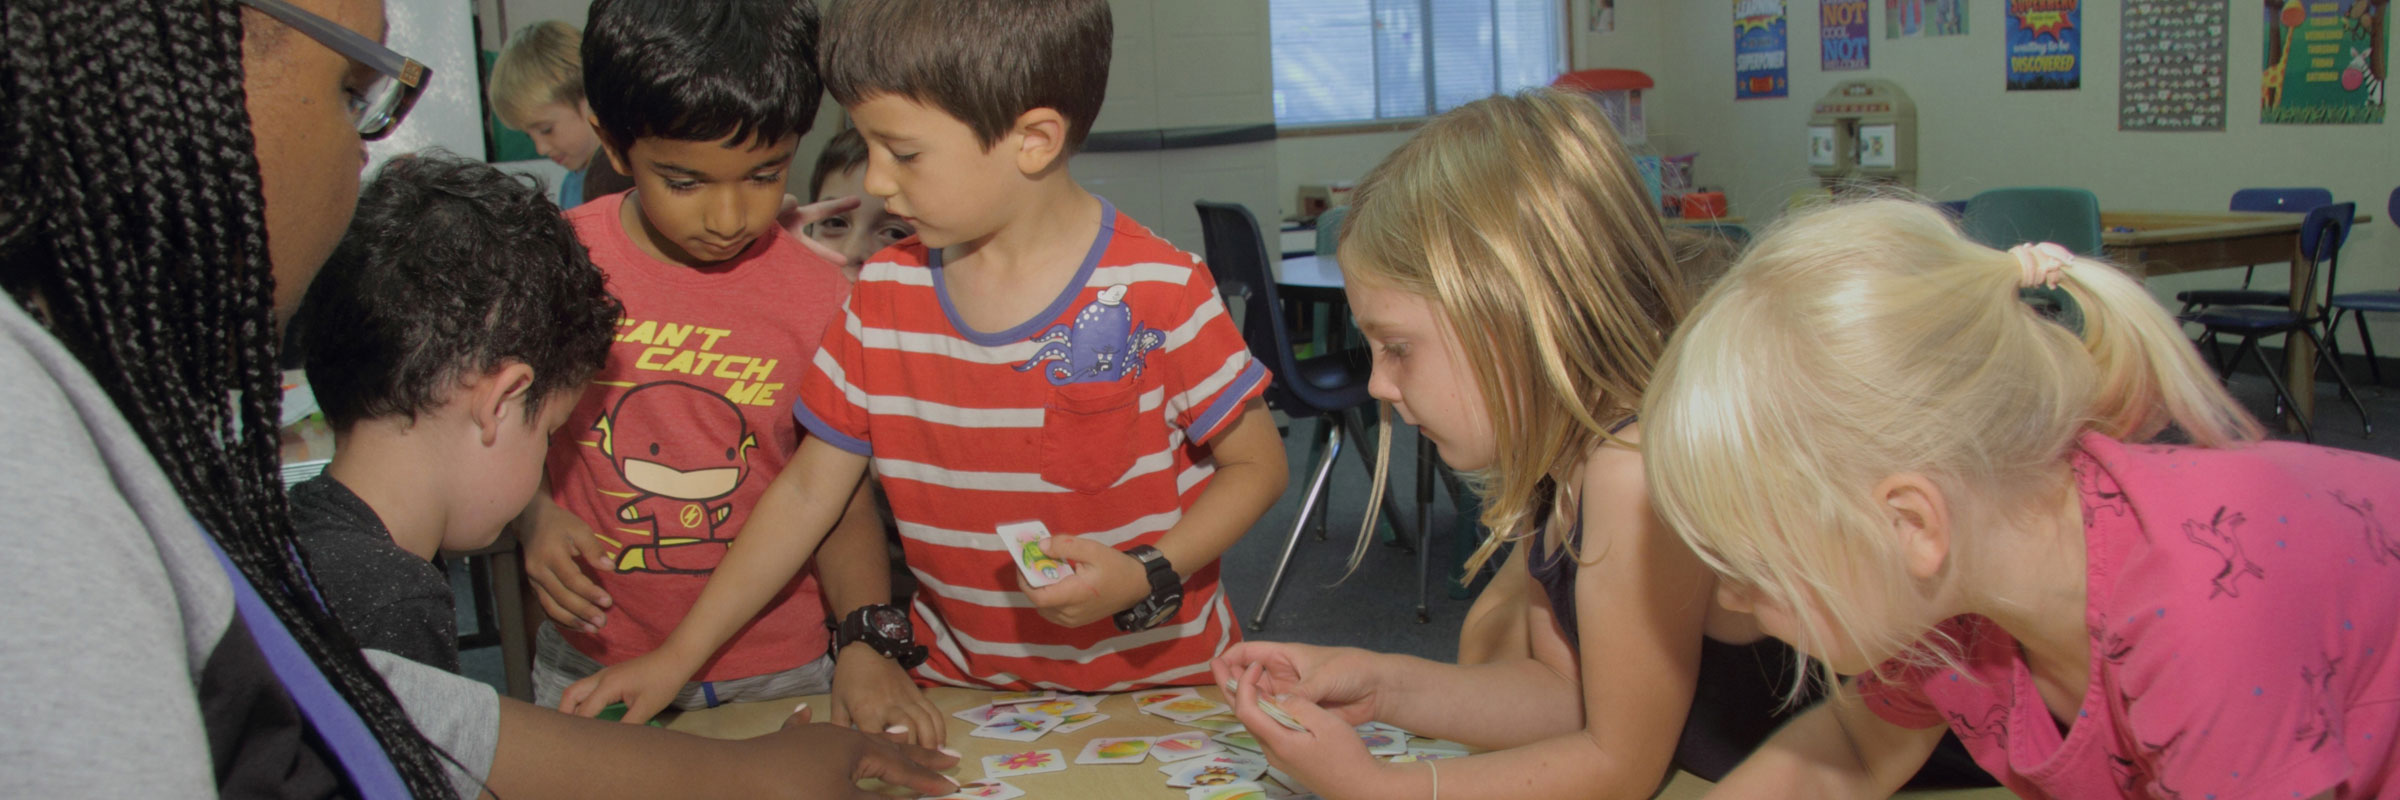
(1364, 60)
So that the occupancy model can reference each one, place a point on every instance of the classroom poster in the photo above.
(1760, 67)
(1842, 28)
(2171, 65)
(1909, 19)
(2325, 62)
(2045, 44)
(1601, 17)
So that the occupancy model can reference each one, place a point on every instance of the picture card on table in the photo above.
(983, 790)
(1017, 727)
(1115, 750)
(1180, 746)
(1030, 762)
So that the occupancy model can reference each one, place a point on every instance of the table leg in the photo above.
(2299, 359)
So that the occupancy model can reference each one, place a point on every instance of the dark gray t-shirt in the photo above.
(118, 608)
(388, 598)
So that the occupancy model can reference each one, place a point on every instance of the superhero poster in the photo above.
(2045, 44)
(1760, 58)
(2325, 61)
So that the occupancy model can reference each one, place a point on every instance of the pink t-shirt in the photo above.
(2243, 606)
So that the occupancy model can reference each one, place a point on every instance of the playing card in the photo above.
(1383, 744)
(1214, 724)
(1236, 757)
(1115, 751)
(1441, 747)
(1056, 707)
(1153, 697)
(1030, 762)
(1281, 716)
(1185, 709)
(1371, 726)
(1212, 773)
(1178, 747)
(1075, 722)
(1023, 540)
(983, 790)
(1016, 698)
(1241, 739)
(1017, 727)
(1287, 781)
(980, 714)
(1236, 791)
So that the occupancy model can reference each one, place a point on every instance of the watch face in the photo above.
(888, 623)
(1162, 611)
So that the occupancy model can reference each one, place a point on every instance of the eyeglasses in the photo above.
(378, 109)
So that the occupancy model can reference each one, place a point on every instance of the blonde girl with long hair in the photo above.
(1517, 289)
(1916, 478)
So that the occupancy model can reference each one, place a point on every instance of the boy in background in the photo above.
(537, 87)
(863, 229)
(448, 336)
(1033, 356)
(657, 469)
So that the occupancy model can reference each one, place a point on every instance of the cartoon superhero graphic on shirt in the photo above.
(1102, 344)
(680, 447)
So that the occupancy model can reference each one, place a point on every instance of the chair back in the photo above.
(2322, 235)
(1732, 233)
(2291, 199)
(1329, 229)
(1237, 257)
(2391, 210)
(2005, 218)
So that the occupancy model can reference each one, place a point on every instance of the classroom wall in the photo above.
(1974, 135)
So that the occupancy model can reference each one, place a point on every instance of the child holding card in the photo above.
(1516, 287)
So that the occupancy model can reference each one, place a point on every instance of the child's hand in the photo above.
(1329, 753)
(556, 544)
(796, 218)
(1106, 581)
(1342, 680)
(873, 694)
(819, 761)
(646, 684)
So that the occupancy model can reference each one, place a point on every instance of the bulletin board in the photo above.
(2171, 65)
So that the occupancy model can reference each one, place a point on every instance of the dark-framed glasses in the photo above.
(399, 81)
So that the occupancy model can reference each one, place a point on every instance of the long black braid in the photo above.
(130, 205)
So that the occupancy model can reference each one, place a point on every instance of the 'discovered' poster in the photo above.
(1760, 58)
(2045, 44)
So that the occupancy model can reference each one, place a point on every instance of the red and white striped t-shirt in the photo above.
(1092, 417)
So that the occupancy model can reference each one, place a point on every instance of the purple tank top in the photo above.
(1556, 571)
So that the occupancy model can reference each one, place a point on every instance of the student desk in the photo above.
(1078, 780)
(2169, 242)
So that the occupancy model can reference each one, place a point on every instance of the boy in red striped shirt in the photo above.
(1032, 355)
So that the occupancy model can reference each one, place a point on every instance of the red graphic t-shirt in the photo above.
(685, 427)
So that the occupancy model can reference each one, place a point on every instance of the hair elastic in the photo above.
(2042, 266)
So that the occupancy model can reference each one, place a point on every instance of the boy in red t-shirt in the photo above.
(1032, 355)
(656, 471)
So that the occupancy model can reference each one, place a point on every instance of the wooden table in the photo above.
(2169, 242)
(1143, 780)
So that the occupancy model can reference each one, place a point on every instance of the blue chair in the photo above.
(1732, 233)
(1331, 388)
(1329, 229)
(2362, 303)
(2295, 200)
(2005, 218)
(2321, 238)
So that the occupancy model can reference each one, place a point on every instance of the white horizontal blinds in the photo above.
(1361, 60)
(1464, 43)
(1400, 59)
(1530, 52)
(1324, 53)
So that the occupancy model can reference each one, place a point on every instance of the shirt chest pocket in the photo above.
(1092, 433)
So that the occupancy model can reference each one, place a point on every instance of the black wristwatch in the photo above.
(884, 628)
(1166, 592)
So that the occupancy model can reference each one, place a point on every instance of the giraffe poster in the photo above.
(2325, 62)
(2172, 65)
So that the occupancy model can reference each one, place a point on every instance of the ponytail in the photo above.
(2148, 376)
